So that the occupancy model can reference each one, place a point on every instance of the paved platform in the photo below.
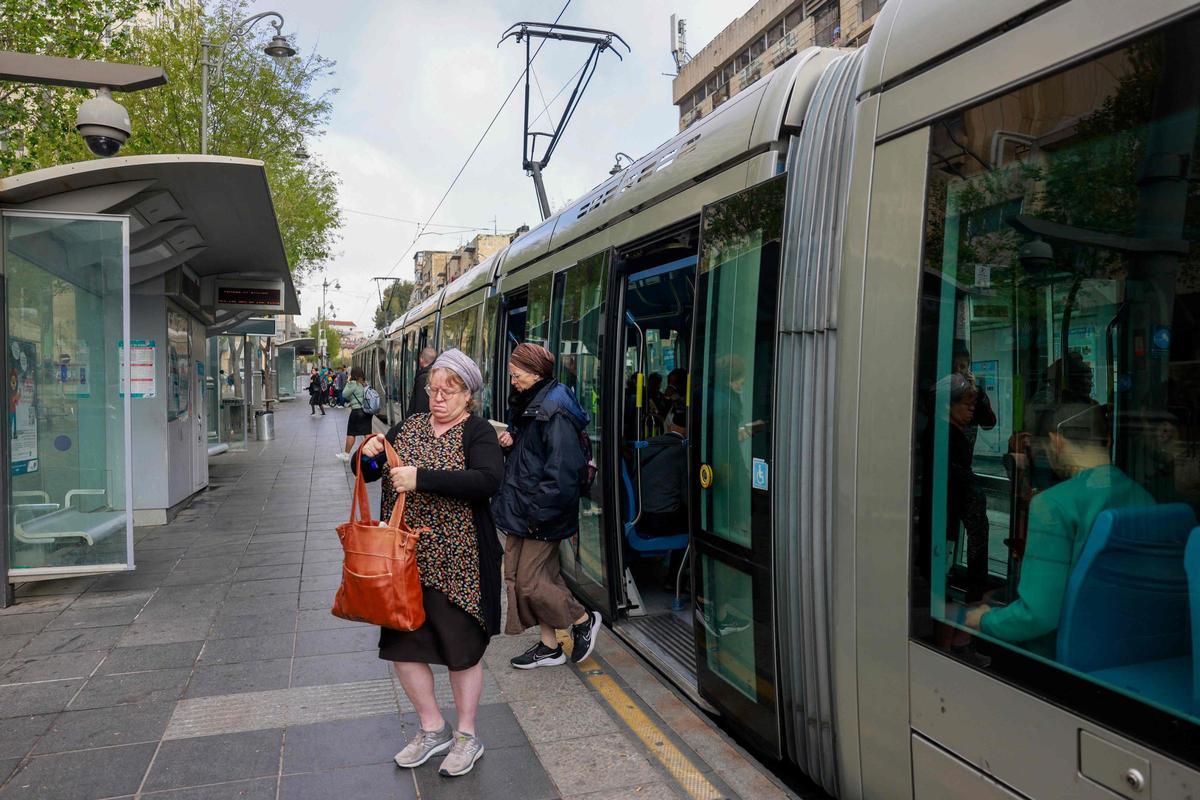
(215, 670)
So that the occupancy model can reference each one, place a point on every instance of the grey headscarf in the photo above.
(461, 365)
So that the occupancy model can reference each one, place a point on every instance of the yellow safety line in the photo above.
(670, 756)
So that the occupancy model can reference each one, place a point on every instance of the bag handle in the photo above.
(360, 507)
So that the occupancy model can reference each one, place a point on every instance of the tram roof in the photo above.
(477, 277)
(904, 39)
(212, 213)
(717, 141)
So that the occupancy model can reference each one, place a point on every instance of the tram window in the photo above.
(581, 340)
(537, 318)
(487, 351)
(1057, 475)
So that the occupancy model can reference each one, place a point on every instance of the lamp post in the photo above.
(278, 48)
(322, 342)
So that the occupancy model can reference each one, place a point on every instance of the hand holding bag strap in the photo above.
(394, 461)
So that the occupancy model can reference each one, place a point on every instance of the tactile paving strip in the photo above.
(234, 713)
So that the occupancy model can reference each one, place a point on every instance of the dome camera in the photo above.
(103, 123)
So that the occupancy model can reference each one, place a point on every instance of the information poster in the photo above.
(141, 354)
(22, 407)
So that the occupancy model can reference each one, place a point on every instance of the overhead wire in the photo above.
(475, 149)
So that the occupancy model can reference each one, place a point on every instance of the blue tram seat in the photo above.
(1191, 565)
(648, 547)
(1125, 613)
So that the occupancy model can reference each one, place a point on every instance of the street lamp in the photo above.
(278, 48)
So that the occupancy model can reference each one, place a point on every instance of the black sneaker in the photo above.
(583, 634)
(539, 656)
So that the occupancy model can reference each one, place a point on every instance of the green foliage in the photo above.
(333, 339)
(258, 108)
(395, 302)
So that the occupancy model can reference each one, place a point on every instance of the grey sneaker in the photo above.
(466, 751)
(424, 746)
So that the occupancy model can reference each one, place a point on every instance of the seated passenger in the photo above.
(1060, 520)
(664, 481)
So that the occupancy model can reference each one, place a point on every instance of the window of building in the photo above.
(827, 25)
(870, 8)
(757, 47)
(1057, 443)
(743, 60)
(793, 19)
(775, 33)
(687, 104)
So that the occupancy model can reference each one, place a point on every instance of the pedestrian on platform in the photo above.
(339, 386)
(316, 393)
(359, 423)
(538, 507)
(451, 467)
(418, 401)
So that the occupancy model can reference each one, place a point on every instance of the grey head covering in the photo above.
(461, 365)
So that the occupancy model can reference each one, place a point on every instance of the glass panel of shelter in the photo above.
(66, 402)
(1058, 401)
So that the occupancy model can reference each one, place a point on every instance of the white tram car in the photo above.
(926, 313)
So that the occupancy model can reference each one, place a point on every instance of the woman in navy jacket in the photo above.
(538, 507)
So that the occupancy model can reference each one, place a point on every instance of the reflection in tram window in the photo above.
(1062, 283)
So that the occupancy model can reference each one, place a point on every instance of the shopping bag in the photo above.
(380, 584)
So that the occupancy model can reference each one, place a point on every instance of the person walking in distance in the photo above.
(418, 402)
(451, 467)
(359, 423)
(316, 392)
(538, 507)
(339, 385)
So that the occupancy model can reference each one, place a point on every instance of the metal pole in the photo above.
(204, 97)
(539, 186)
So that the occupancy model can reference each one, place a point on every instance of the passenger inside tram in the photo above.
(1060, 519)
(664, 470)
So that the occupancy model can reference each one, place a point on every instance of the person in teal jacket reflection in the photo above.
(1060, 519)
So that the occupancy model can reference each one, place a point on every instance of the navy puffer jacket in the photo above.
(540, 495)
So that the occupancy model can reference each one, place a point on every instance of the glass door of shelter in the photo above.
(733, 387)
(68, 493)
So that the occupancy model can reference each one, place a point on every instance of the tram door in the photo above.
(732, 391)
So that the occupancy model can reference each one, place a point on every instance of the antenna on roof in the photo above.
(679, 43)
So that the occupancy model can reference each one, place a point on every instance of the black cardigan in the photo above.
(477, 483)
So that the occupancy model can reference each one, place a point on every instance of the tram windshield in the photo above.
(1057, 446)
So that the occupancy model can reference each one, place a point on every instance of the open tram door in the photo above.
(732, 392)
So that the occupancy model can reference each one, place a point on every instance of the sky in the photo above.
(417, 83)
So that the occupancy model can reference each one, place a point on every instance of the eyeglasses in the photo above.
(445, 394)
(519, 374)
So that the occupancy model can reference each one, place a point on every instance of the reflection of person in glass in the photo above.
(1076, 438)
(731, 450)
(974, 410)
(14, 399)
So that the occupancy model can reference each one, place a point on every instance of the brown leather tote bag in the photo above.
(380, 584)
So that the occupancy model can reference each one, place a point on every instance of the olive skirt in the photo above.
(450, 636)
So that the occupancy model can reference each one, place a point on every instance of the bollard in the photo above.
(264, 425)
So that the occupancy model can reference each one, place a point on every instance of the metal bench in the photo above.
(66, 522)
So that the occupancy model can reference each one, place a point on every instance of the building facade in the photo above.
(766, 36)
(433, 269)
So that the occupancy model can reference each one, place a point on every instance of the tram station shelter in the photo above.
(116, 274)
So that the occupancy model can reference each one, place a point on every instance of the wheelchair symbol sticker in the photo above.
(760, 473)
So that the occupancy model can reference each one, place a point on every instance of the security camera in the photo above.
(103, 123)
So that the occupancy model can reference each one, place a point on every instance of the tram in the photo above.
(925, 318)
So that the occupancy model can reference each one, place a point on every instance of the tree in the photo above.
(333, 339)
(257, 108)
(395, 301)
(37, 123)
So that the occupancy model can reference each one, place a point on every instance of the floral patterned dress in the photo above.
(448, 554)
